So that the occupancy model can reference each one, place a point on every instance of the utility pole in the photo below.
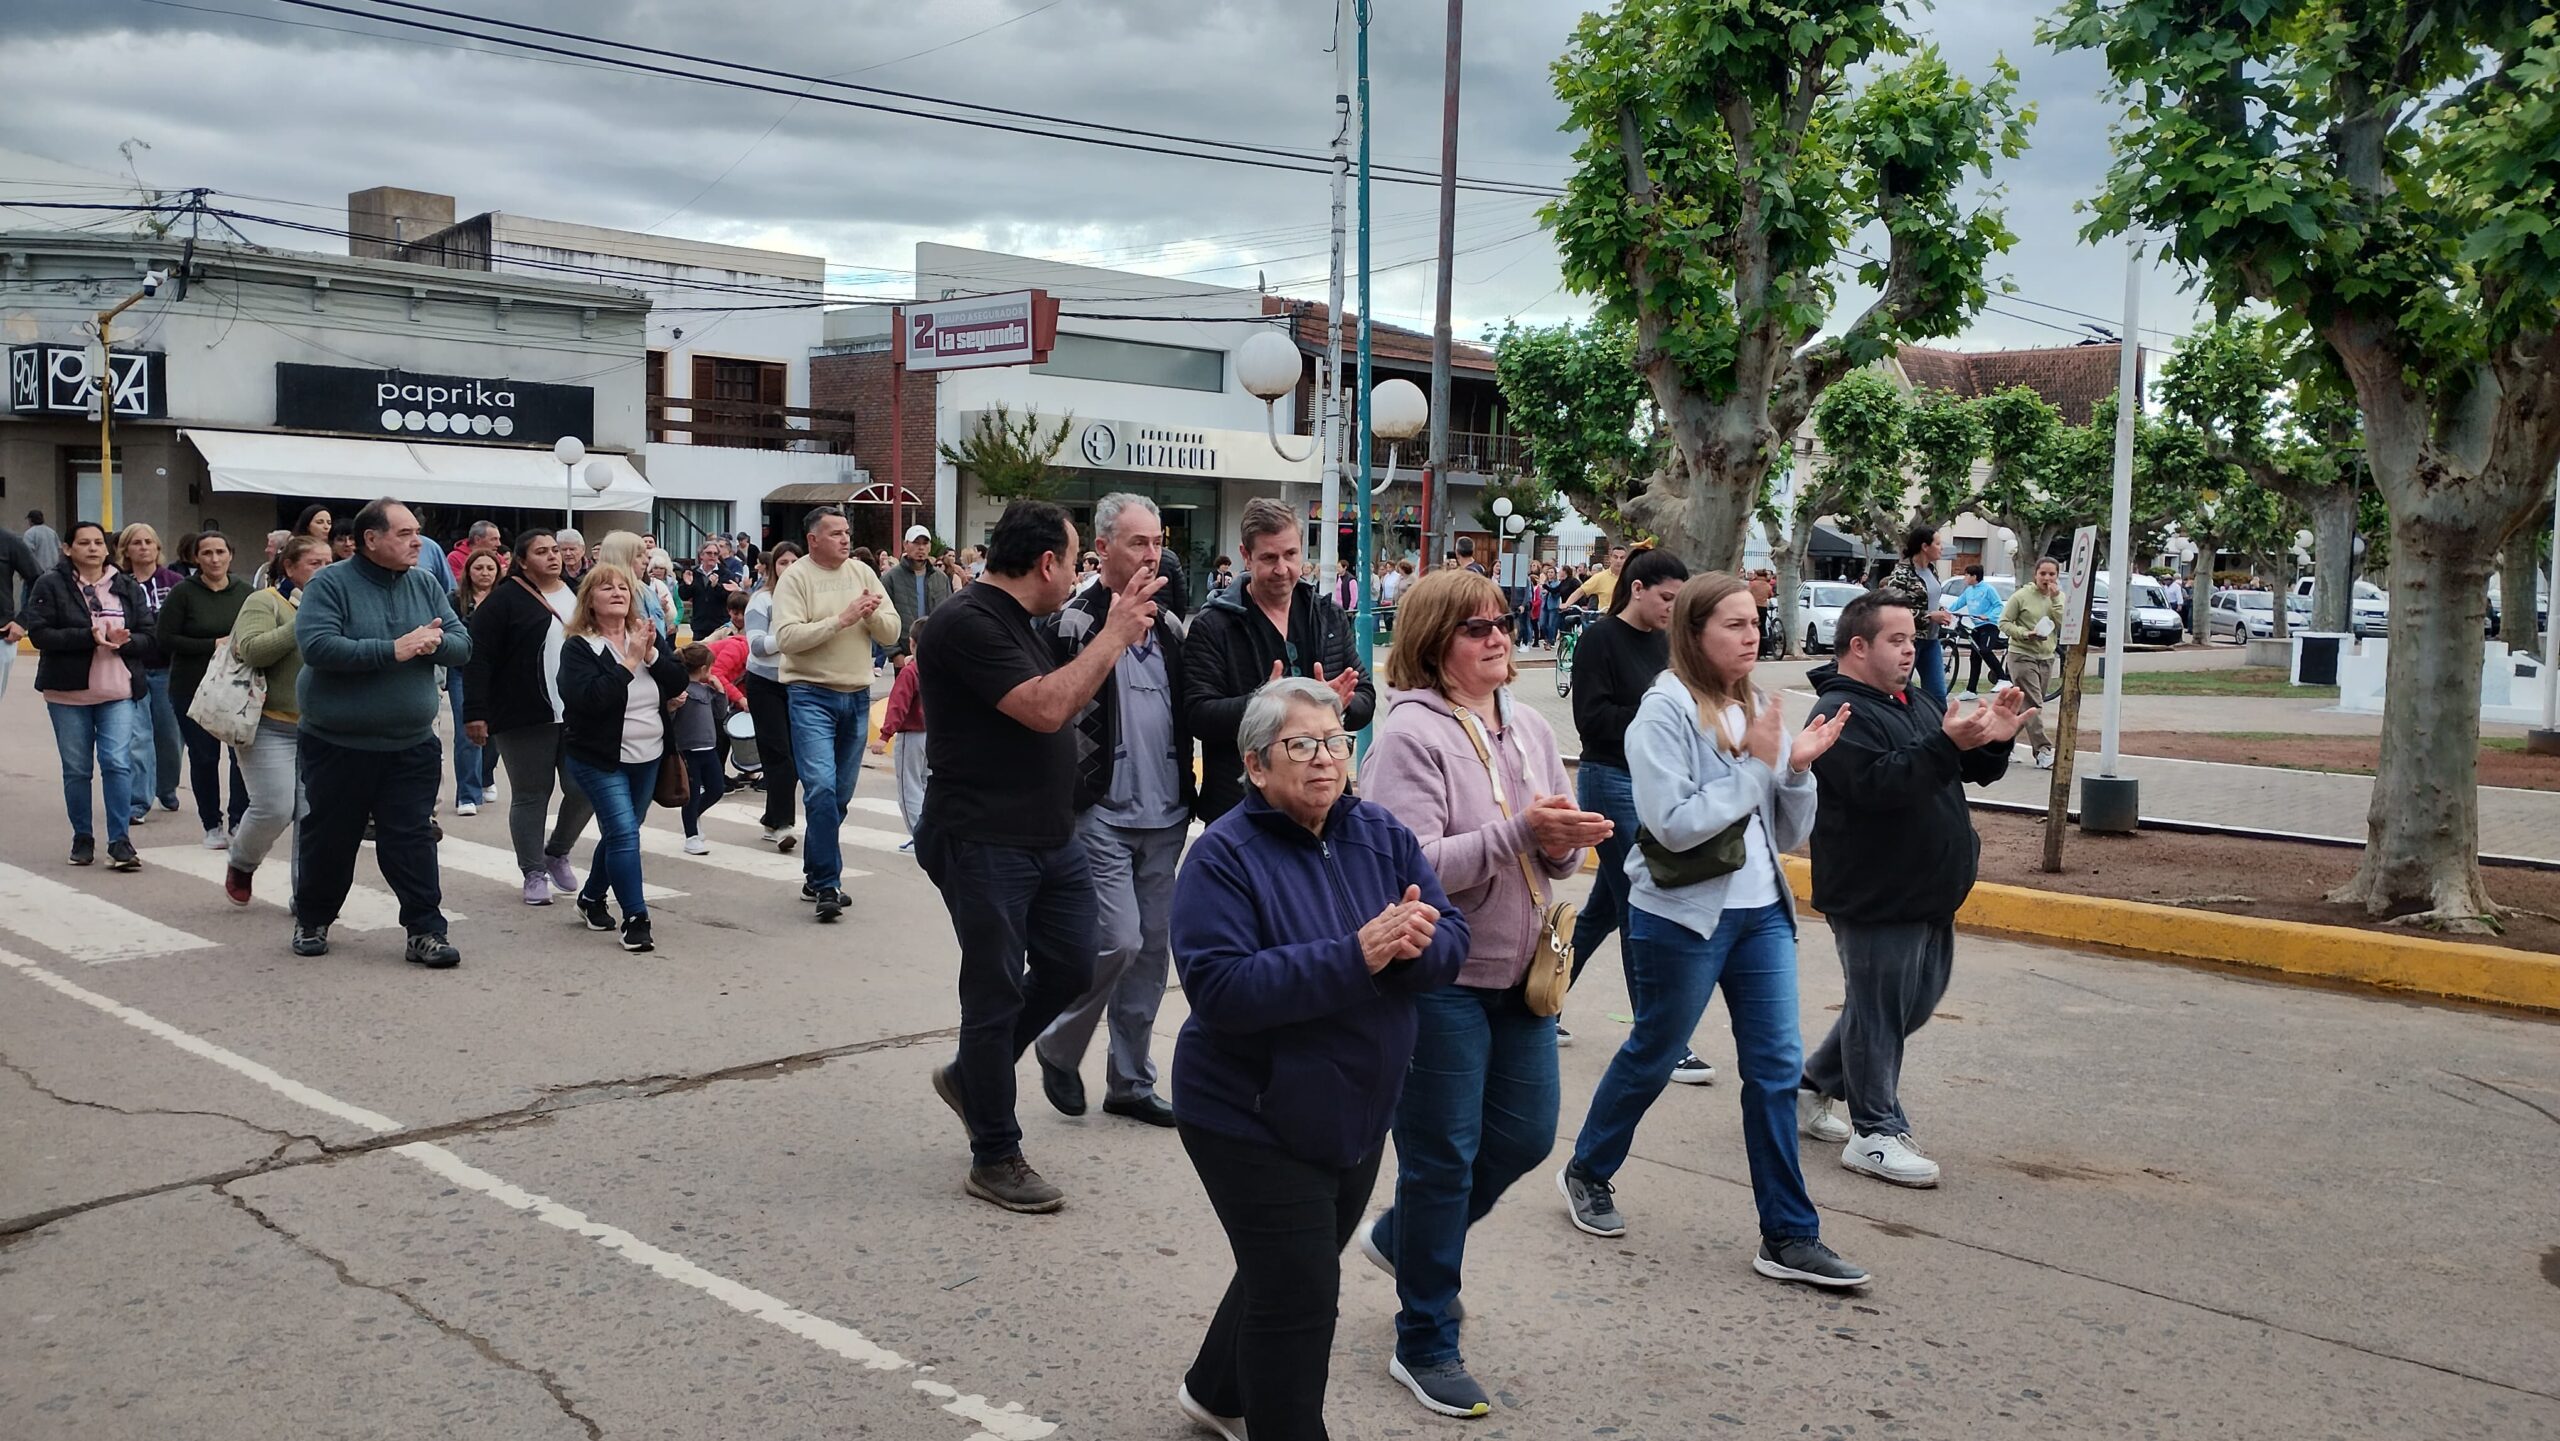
(2109, 802)
(1332, 445)
(1437, 542)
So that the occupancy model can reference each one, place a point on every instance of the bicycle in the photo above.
(1569, 624)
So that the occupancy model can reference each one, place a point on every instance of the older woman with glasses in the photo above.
(1478, 780)
(1306, 922)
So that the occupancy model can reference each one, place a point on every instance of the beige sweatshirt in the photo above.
(814, 648)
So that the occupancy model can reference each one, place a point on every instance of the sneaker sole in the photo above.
(643, 946)
(592, 924)
(1694, 1078)
(1810, 1134)
(1369, 1247)
(1927, 1183)
(1020, 1208)
(1574, 1214)
(1395, 1368)
(1776, 1272)
(1230, 1428)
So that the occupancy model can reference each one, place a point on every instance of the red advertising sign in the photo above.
(984, 330)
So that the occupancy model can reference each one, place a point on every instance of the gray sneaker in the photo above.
(1803, 1258)
(1445, 1388)
(1012, 1184)
(1591, 1203)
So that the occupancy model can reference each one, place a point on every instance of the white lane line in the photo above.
(851, 833)
(1008, 1422)
(497, 863)
(762, 864)
(368, 908)
(64, 918)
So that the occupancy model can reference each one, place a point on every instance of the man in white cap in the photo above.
(916, 586)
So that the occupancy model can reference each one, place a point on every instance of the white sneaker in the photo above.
(467, 808)
(696, 846)
(217, 839)
(2044, 758)
(1889, 1158)
(1818, 1118)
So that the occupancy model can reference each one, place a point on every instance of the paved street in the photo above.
(565, 1192)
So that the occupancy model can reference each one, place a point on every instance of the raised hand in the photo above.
(858, 609)
(422, 641)
(1398, 933)
(1815, 739)
(1560, 826)
(1133, 610)
(1766, 735)
(1345, 685)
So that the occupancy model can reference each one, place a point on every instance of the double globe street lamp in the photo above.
(571, 452)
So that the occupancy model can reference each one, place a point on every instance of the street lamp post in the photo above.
(569, 451)
(1396, 412)
(106, 380)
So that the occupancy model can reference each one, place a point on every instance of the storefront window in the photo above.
(84, 486)
(1135, 362)
(683, 525)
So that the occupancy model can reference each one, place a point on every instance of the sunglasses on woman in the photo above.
(1303, 748)
(1477, 627)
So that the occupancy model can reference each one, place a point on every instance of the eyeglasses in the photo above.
(1303, 748)
(1477, 627)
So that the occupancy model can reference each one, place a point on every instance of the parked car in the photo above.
(2541, 610)
(2154, 623)
(1818, 610)
(2369, 606)
(2241, 615)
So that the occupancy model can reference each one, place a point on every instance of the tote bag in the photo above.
(230, 699)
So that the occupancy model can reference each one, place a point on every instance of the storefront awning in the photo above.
(868, 492)
(1832, 544)
(484, 476)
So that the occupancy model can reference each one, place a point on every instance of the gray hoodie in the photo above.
(1688, 789)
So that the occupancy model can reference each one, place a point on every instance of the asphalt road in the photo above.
(706, 1193)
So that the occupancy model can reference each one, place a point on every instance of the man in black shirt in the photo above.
(998, 832)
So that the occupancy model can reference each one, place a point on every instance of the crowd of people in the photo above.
(1359, 961)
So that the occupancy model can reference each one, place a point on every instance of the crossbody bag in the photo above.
(1551, 958)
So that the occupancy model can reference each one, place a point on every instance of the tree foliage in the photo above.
(1530, 496)
(1012, 459)
(2388, 178)
(1576, 400)
(1724, 166)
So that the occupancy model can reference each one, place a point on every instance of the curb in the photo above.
(2461, 970)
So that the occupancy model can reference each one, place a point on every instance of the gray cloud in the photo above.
(304, 114)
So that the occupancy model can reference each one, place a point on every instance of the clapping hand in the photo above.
(1988, 721)
(1765, 737)
(1813, 740)
(858, 609)
(422, 641)
(1560, 826)
(1345, 685)
(1399, 933)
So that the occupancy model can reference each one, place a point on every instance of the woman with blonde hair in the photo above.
(623, 548)
(617, 687)
(156, 742)
(1720, 791)
(1477, 779)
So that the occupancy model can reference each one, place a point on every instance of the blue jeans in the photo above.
(156, 746)
(96, 740)
(621, 797)
(1609, 791)
(828, 728)
(1478, 1111)
(1929, 662)
(1671, 970)
(472, 764)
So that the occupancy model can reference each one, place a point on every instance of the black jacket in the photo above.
(57, 620)
(594, 691)
(17, 563)
(1097, 726)
(1614, 664)
(503, 685)
(1231, 652)
(705, 594)
(1892, 838)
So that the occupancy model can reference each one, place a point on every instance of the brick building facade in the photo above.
(857, 379)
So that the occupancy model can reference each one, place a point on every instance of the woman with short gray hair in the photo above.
(1305, 922)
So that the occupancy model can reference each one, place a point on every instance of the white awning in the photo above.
(485, 476)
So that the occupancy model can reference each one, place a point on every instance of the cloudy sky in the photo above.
(298, 106)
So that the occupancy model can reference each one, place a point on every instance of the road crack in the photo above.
(2547, 1113)
(285, 1140)
(488, 1349)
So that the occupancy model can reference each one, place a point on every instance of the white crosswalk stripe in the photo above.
(754, 860)
(497, 863)
(69, 921)
(368, 908)
(849, 834)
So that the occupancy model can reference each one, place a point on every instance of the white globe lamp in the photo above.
(1269, 367)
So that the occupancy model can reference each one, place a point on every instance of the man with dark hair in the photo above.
(916, 586)
(1914, 583)
(373, 634)
(998, 834)
(1248, 635)
(1894, 855)
(42, 543)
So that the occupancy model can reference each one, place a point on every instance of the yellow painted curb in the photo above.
(2460, 969)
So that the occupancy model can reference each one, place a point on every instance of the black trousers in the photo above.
(1979, 658)
(1029, 928)
(770, 706)
(1269, 1350)
(396, 790)
(205, 759)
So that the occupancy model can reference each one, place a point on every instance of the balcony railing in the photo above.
(1471, 452)
(751, 425)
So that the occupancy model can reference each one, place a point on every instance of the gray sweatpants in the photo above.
(533, 759)
(1133, 882)
(1895, 975)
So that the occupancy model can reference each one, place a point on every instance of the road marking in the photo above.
(64, 918)
(763, 865)
(1008, 1422)
(368, 908)
(497, 863)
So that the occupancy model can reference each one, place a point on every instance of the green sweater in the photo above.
(263, 638)
(353, 692)
(193, 620)
(2028, 605)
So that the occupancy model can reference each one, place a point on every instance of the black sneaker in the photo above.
(1445, 1388)
(431, 951)
(598, 915)
(84, 850)
(121, 856)
(635, 933)
(1591, 1202)
(1012, 1184)
(1802, 1258)
(310, 940)
(1064, 1088)
(810, 892)
(1691, 1070)
(830, 905)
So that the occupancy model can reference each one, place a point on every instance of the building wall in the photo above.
(859, 381)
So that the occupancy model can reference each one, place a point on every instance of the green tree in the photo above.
(2387, 176)
(1577, 402)
(1531, 497)
(1012, 459)
(1724, 165)
(1862, 426)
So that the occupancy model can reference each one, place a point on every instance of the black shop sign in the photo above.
(414, 406)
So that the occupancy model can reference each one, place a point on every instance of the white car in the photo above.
(2242, 615)
(2154, 623)
(1818, 610)
(2369, 606)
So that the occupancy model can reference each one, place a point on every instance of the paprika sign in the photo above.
(431, 407)
(984, 330)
